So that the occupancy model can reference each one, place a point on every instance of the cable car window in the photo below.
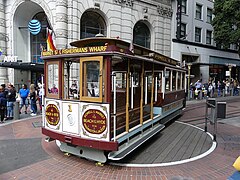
(53, 78)
(91, 86)
(167, 80)
(179, 86)
(135, 77)
(149, 81)
(71, 79)
(159, 82)
(92, 78)
(120, 80)
(183, 80)
(174, 80)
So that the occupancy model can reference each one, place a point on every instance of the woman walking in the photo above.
(33, 100)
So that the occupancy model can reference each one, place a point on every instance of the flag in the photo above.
(131, 47)
(50, 44)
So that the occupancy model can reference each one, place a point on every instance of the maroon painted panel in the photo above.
(169, 97)
(101, 145)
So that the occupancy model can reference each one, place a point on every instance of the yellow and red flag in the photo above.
(50, 44)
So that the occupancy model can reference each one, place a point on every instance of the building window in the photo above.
(38, 42)
(184, 6)
(209, 37)
(197, 34)
(198, 11)
(141, 35)
(209, 15)
(183, 30)
(92, 24)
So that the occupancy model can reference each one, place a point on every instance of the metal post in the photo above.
(189, 73)
(206, 115)
(16, 110)
(114, 106)
(230, 72)
(215, 123)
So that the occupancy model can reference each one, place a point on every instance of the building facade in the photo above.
(147, 23)
(194, 46)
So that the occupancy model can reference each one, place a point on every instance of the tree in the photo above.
(226, 23)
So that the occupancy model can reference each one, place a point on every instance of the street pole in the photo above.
(230, 72)
(189, 73)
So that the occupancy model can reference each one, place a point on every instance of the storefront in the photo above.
(24, 73)
(224, 68)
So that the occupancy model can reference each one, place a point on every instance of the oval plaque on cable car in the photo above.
(94, 121)
(52, 114)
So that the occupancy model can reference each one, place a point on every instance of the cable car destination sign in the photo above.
(75, 50)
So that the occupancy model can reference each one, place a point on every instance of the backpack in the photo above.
(3, 100)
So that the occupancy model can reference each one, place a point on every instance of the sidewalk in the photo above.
(219, 99)
(24, 144)
(22, 117)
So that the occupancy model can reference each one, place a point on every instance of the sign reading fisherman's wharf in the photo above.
(75, 50)
(52, 114)
(94, 121)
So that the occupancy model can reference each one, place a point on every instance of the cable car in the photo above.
(105, 97)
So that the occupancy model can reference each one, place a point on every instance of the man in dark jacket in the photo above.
(3, 104)
(11, 98)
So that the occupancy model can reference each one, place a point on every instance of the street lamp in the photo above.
(230, 72)
(189, 73)
(230, 65)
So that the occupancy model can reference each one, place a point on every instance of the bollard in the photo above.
(16, 110)
(200, 94)
(223, 93)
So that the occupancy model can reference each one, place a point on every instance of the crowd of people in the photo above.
(27, 96)
(213, 88)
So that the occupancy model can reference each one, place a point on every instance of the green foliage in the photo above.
(226, 22)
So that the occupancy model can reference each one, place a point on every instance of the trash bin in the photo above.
(221, 110)
(16, 114)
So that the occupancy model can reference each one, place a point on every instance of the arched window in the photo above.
(39, 41)
(141, 35)
(92, 24)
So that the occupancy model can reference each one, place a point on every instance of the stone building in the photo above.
(195, 46)
(147, 23)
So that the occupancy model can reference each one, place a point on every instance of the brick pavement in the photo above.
(217, 165)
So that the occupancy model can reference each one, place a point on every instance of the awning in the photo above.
(224, 61)
(23, 66)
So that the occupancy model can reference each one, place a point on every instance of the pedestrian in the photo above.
(74, 89)
(3, 104)
(24, 93)
(227, 87)
(235, 89)
(11, 98)
(219, 88)
(210, 89)
(5, 90)
(54, 89)
(198, 86)
(33, 102)
(191, 90)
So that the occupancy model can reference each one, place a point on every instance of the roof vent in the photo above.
(99, 35)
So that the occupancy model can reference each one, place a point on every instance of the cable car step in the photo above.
(131, 145)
